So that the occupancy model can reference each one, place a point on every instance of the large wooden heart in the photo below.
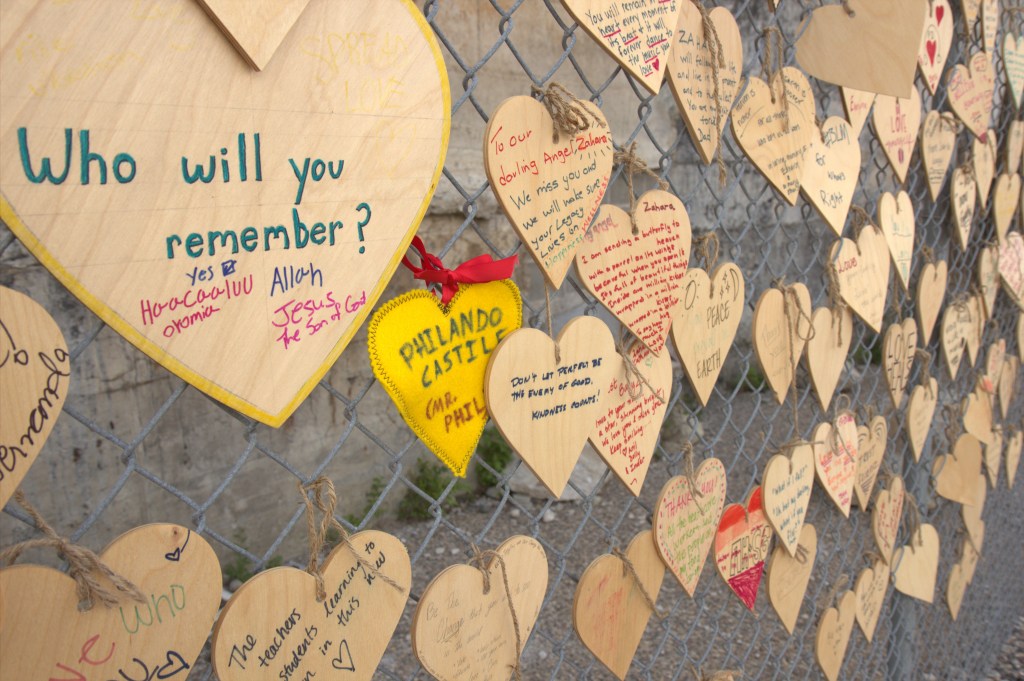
(1014, 446)
(45, 636)
(931, 291)
(885, 518)
(827, 349)
(1014, 146)
(988, 277)
(786, 576)
(706, 326)
(691, 76)
(970, 91)
(780, 329)
(274, 623)
(1011, 266)
(465, 623)
(896, 219)
(256, 28)
(1005, 202)
(550, 186)
(835, 459)
(871, 587)
(936, 39)
(872, 440)
(1013, 63)
(833, 635)
(862, 268)
(545, 408)
(741, 547)
(639, 276)
(831, 170)
(898, 349)
(920, 412)
(857, 105)
(983, 160)
(684, 524)
(774, 126)
(883, 35)
(638, 35)
(916, 565)
(431, 360)
(938, 141)
(897, 121)
(955, 474)
(963, 197)
(626, 433)
(35, 373)
(786, 487)
(235, 226)
(609, 610)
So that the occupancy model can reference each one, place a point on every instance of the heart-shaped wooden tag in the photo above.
(546, 408)
(1011, 266)
(885, 518)
(741, 547)
(1007, 381)
(786, 487)
(916, 565)
(835, 459)
(988, 277)
(684, 524)
(896, 219)
(1014, 144)
(831, 170)
(956, 326)
(963, 196)
(550, 186)
(989, 25)
(161, 637)
(638, 275)
(983, 160)
(610, 610)
(871, 444)
(956, 588)
(972, 338)
(920, 412)
(774, 127)
(969, 558)
(971, 513)
(993, 456)
(931, 291)
(431, 359)
(938, 141)
(827, 349)
(898, 349)
(896, 124)
(1013, 63)
(970, 91)
(871, 587)
(35, 372)
(707, 323)
(833, 635)
(977, 411)
(465, 623)
(857, 105)
(955, 474)
(692, 79)
(935, 42)
(786, 576)
(1007, 197)
(275, 624)
(994, 366)
(862, 269)
(883, 35)
(216, 217)
(638, 35)
(1014, 446)
(626, 432)
(780, 329)
(256, 29)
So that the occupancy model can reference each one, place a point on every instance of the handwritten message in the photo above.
(831, 171)
(871, 587)
(787, 492)
(835, 459)
(896, 218)
(833, 635)
(1011, 266)
(871, 444)
(899, 347)
(741, 547)
(857, 104)
(896, 124)
(970, 91)
(862, 269)
(938, 140)
(885, 519)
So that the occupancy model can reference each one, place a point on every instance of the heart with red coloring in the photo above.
(741, 547)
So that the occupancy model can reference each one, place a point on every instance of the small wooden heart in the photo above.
(871, 587)
(897, 121)
(936, 40)
(983, 159)
(780, 329)
(1014, 446)
(691, 74)
(994, 366)
(931, 291)
(274, 623)
(898, 348)
(970, 91)
(977, 411)
(835, 459)
(610, 610)
(827, 349)
(896, 219)
(972, 338)
(1011, 266)
(955, 474)
(786, 576)
(45, 635)
(465, 624)
(862, 269)
(885, 519)
(988, 277)
(956, 325)
(917, 563)
(971, 513)
(774, 125)
(35, 372)
(871, 443)
(684, 524)
(546, 408)
(626, 433)
(1013, 63)
(920, 412)
(638, 275)
(831, 171)
(993, 456)
(956, 587)
(963, 196)
(706, 326)
(786, 487)
(938, 141)
(857, 105)
(549, 186)
(1014, 143)
(741, 547)
(1007, 381)
(833, 635)
(1007, 196)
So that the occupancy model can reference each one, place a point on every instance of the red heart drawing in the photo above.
(741, 546)
(930, 47)
(939, 12)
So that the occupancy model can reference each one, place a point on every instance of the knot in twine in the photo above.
(566, 110)
(634, 165)
(627, 566)
(478, 270)
(913, 517)
(325, 500)
(849, 10)
(691, 476)
(925, 358)
(714, 46)
(551, 324)
(84, 566)
(790, 300)
(717, 675)
(928, 254)
(480, 561)
(708, 246)
(635, 380)
(861, 218)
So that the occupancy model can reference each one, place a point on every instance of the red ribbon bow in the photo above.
(478, 270)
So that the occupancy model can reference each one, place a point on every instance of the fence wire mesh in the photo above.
(162, 428)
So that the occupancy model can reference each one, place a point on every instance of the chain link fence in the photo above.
(241, 497)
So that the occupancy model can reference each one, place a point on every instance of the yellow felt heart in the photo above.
(920, 412)
(970, 91)
(983, 159)
(896, 124)
(885, 518)
(831, 170)
(963, 196)
(896, 220)
(870, 589)
(780, 329)
(833, 635)
(786, 576)
(938, 141)
(898, 348)
(931, 291)
(915, 565)
(45, 636)
(274, 626)
(871, 445)
(936, 39)
(857, 105)
(862, 269)
(431, 360)
(787, 483)
(827, 349)
(835, 459)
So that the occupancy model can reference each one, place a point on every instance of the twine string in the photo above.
(567, 112)
(633, 373)
(707, 245)
(633, 165)
(480, 561)
(925, 358)
(842, 581)
(713, 45)
(551, 325)
(691, 476)
(628, 566)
